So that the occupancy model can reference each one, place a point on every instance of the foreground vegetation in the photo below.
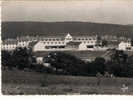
(119, 64)
(66, 74)
(22, 82)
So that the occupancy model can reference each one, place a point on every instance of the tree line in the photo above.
(119, 64)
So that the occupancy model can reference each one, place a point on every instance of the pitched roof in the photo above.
(113, 43)
(55, 35)
(9, 41)
(31, 44)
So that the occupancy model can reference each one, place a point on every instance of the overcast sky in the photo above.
(103, 11)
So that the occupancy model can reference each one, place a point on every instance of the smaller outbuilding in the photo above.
(125, 45)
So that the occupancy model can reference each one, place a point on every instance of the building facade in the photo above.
(9, 45)
(67, 42)
(63, 42)
(125, 45)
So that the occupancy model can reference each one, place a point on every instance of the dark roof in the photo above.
(56, 35)
(73, 43)
(10, 41)
(24, 38)
(113, 43)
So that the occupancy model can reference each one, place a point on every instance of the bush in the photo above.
(66, 62)
(44, 81)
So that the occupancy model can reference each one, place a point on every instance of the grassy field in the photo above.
(84, 54)
(78, 54)
(20, 82)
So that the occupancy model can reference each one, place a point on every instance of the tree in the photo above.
(132, 42)
(98, 65)
(113, 68)
(7, 59)
(119, 57)
(118, 65)
(104, 43)
(130, 66)
(69, 64)
(22, 58)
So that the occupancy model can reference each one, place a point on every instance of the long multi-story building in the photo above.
(61, 42)
(67, 42)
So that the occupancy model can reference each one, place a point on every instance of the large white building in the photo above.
(62, 42)
(57, 42)
(67, 42)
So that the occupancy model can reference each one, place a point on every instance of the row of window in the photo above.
(61, 39)
(54, 47)
(53, 39)
(18, 43)
(22, 44)
(64, 42)
(12, 46)
(53, 42)
(68, 39)
(84, 38)
(8, 47)
(89, 42)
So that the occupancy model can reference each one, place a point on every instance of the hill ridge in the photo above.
(14, 29)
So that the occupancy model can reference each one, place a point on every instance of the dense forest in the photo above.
(14, 29)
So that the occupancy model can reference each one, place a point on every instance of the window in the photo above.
(74, 38)
(62, 39)
(90, 46)
(57, 39)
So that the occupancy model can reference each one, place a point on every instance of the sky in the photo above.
(101, 11)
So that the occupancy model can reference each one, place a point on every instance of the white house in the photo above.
(124, 45)
(9, 44)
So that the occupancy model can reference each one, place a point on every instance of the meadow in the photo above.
(18, 82)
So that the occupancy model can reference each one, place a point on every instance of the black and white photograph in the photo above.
(67, 47)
